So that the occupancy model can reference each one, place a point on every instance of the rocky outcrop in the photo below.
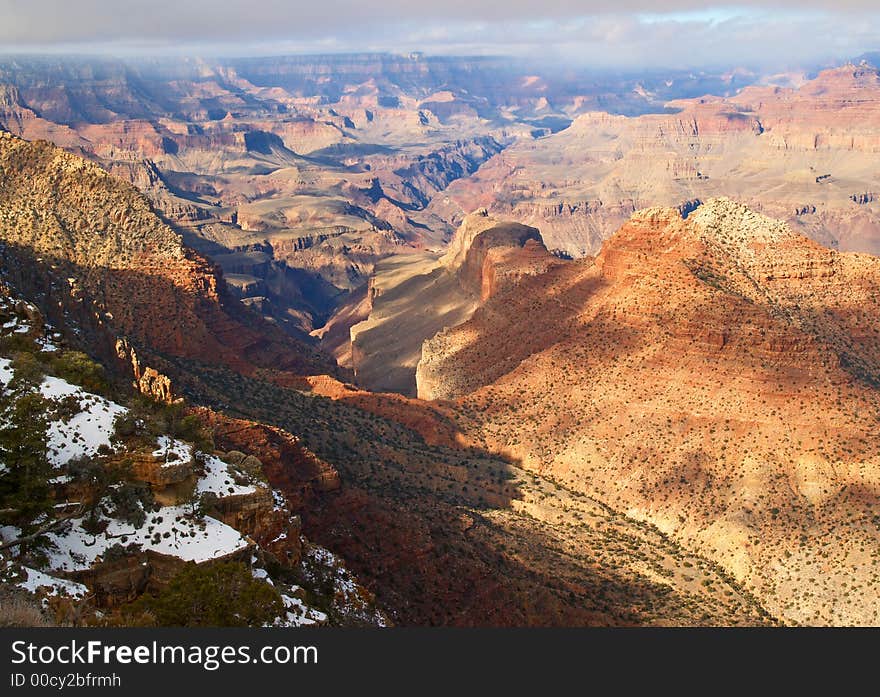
(476, 250)
(147, 381)
(161, 475)
(412, 299)
(287, 463)
(255, 515)
(118, 581)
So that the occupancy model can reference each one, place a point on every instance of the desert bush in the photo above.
(22, 612)
(77, 368)
(125, 425)
(27, 370)
(215, 595)
(172, 420)
(18, 343)
(131, 500)
(118, 551)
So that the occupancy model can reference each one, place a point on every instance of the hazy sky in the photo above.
(626, 33)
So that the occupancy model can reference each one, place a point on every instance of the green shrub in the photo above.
(131, 500)
(66, 408)
(190, 428)
(214, 595)
(118, 551)
(172, 420)
(207, 504)
(125, 425)
(77, 368)
(27, 370)
(24, 482)
(15, 343)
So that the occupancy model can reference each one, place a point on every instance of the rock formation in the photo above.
(801, 154)
(411, 298)
(148, 381)
(92, 248)
(715, 375)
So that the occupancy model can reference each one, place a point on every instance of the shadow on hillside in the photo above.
(418, 523)
(433, 530)
(179, 310)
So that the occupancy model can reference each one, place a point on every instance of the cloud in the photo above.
(625, 33)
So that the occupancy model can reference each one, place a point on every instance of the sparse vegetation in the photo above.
(224, 594)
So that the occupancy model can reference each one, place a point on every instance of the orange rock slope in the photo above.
(93, 248)
(716, 376)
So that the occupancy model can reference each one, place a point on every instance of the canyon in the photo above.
(805, 154)
(513, 348)
(436, 530)
(296, 175)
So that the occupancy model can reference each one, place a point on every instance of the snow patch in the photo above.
(173, 451)
(37, 580)
(298, 613)
(262, 574)
(169, 531)
(9, 532)
(218, 480)
(6, 372)
(82, 434)
(279, 500)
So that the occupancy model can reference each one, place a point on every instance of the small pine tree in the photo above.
(24, 481)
